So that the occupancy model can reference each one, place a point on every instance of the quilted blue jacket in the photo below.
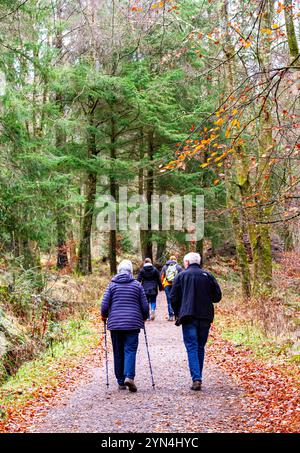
(124, 303)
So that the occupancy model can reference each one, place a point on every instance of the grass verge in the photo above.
(37, 377)
(244, 333)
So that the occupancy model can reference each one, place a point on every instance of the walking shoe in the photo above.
(171, 318)
(152, 315)
(122, 387)
(130, 384)
(196, 385)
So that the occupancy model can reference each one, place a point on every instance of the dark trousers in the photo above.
(125, 344)
(195, 334)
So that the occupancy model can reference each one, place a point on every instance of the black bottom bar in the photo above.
(145, 442)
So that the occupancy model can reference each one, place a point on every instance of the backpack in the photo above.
(171, 272)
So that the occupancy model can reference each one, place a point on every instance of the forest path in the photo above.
(171, 408)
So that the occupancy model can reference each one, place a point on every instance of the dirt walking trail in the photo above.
(171, 408)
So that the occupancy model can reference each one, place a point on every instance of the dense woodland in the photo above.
(170, 97)
(167, 97)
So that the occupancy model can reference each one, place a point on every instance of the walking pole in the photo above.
(150, 366)
(106, 353)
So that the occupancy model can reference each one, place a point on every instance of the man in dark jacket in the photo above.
(125, 305)
(193, 294)
(167, 275)
(150, 279)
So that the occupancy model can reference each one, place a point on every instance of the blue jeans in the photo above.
(152, 303)
(168, 291)
(125, 344)
(195, 334)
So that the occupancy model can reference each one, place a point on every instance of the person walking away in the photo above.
(126, 308)
(150, 280)
(167, 275)
(193, 294)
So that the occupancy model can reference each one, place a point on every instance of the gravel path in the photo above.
(171, 408)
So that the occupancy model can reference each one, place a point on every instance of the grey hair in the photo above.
(125, 266)
(192, 258)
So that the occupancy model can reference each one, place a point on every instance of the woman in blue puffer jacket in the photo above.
(126, 308)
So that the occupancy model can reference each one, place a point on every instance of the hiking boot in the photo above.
(171, 318)
(130, 384)
(152, 315)
(122, 387)
(196, 385)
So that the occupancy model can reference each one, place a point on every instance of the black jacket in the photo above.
(150, 279)
(193, 294)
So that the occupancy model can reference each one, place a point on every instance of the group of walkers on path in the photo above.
(152, 281)
(127, 303)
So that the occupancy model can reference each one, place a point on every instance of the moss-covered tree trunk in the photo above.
(294, 60)
(235, 180)
(239, 231)
(290, 30)
(260, 229)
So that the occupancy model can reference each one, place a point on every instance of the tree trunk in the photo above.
(141, 193)
(260, 231)
(62, 254)
(60, 140)
(290, 30)
(72, 249)
(84, 262)
(238, 179)
(294, 54)
(29, 259)
(241, 252)
(61, 218)
(148, 249)
(161, 248)
(199, 249)
(113, 193)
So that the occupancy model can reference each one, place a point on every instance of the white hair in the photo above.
(125, 266)
(192, 258)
